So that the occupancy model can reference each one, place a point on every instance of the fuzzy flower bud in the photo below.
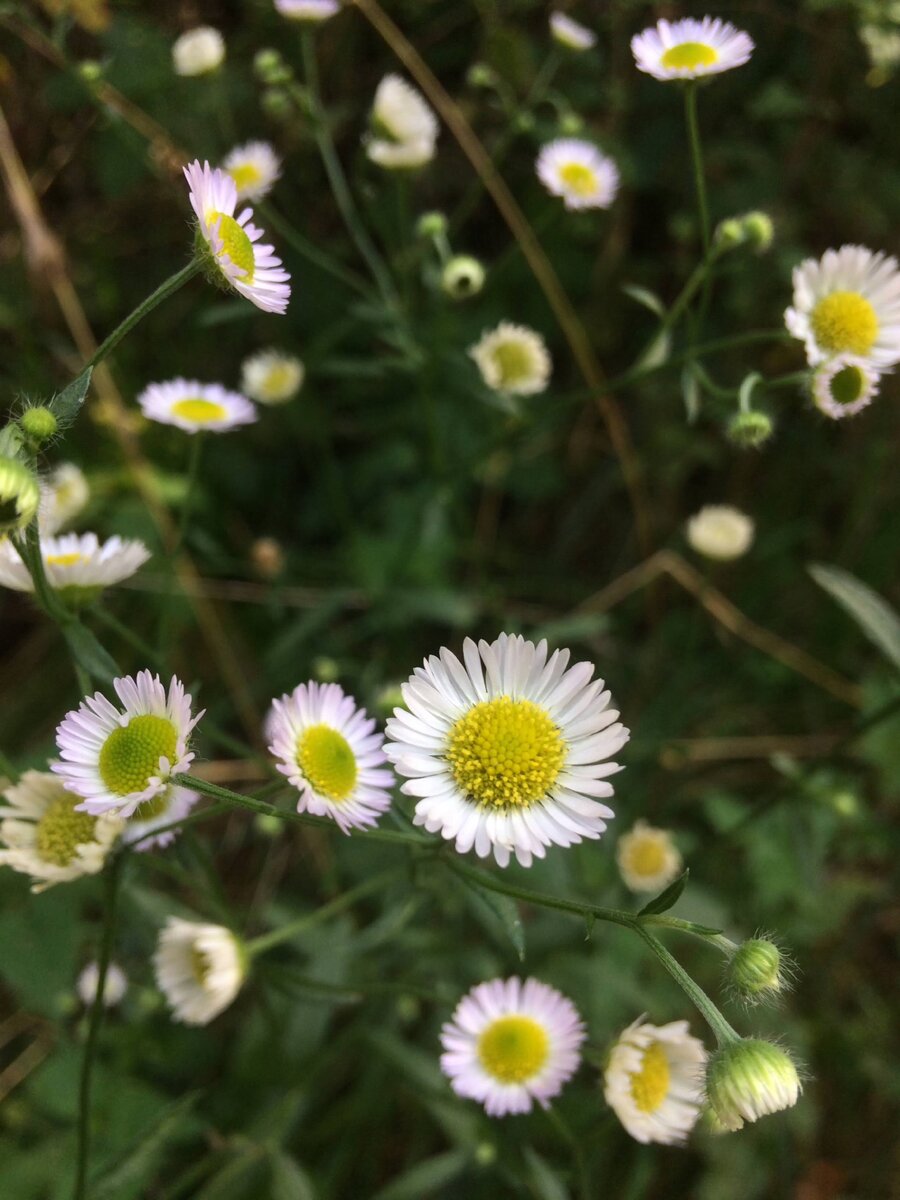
(759, 230)
(730, 233)
(20, 495)
(38, 424)
(750, 430)
(462, 277)
(481, 75)
(750, 1078)
(758, 971)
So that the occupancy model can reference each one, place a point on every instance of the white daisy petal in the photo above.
(690, 49)
(199, 969)
(578, 172)
(654, 1081)
(404, 128)
(195, 407)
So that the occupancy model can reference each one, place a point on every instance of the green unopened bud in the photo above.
(759, 230)
(730, 233)
(431, 225)
(481, 75)
(750, 430)
(326, 669)
(38, 424)
(276, 103)
(266, 61)
(749, 1079)
(485, 1154)
(758, 971)
(266, 825)
(570, 124)
(523, 122)
(463, 276)
(20, 495)
(90, 70)
(845, 803)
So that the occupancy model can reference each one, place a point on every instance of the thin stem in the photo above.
(171, 285)
(113, 875)
(690, 112)
(194, 818)
(575, 1147)
(717, 1023)
(169, 602)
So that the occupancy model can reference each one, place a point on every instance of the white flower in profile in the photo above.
(847, 302)
(64, 493)
(578, 172)
(690, 49)
(513, 358)
(199, 969)
(648, 858)
(570, 33)
(196, 407)
(844, 386)
(271, 377)
(254, 167)
(45, 836)
(653, 1081)
(199, 51)
(114, 986)
(117, 759)
(230, 245)
(79, 565)
(510, 1043)
(404, 128)
(750, 1078)
(508, 753)
(172, 804)
(329, 750)
(720, 531)
(308, 10)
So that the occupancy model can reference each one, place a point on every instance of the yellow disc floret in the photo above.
(514, 363)
(327, 761)
(235, 244)
(645, 855)
(650, 1085)
(845, 323)
(130, 755)
(689, 55)
(64, 560)
(513, 1049)
(246, 175)
(194, 408)
(61, 830)
(578, 178)
(505, 753)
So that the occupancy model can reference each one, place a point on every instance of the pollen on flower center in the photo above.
(646, 857)
(505, 753)
(845, 322)
(650, 1085)
(689, 55)
(514, 363)
(847, 385)
(513, 1049)
(61, 830)
(131, 754)
(578, 178)
(64, 560)
(327, 761)
(246, 175)
(235, 243)
(194, 408)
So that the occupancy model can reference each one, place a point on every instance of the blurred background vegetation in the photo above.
(409, 511)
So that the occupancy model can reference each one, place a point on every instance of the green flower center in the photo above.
(578, 178)
(847, 385)
(513, 1049)
(235, 243)
(246, 175)
(203, 412)
(650, 1085)
(327, 762)
(845, 323)
(514, 362)
(505, 753)
(689, 55)
(131, 754)
(61, 830)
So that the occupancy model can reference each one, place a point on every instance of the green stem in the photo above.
(194, 818)
(170, 602)
(171, 285)
(309, 251)
(717, 1023)
(690, 112)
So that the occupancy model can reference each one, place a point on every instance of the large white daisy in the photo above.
(77, 564)
(578, 172)
(847, 302)
(117, 759)
(404, 128)
(507, 753)
(510, 1043)
(199, 969)
(254, 167)
(570, 33)
(231, 242)
(690, 49)
(329, 750)
(514, 359)
(654, 1081)
(172, 804)
(196, 407)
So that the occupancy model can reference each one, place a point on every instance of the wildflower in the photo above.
(308, 10)
(329, 750)
(64, 493)
(690, 49)
(750, 1078)
(19, 495)
(199, 51)
(721, 532)
(648, 858)
(78, 565)
(510, 1043)
(46, 836)
(507, 753)
(199, 969)
(578, 172)
(229, 244)
(758, 971)
(462, 277)
(844, 386)
(404, 128)
(118, 759)
(570, 33)
(196, 407)
(114, 986)
(513, 358)
(271, 377)
(654, 1081)
(172, 804)
(254, 167)
(847, 302)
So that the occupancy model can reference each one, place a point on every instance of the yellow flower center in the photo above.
(64, 560)
(505, 753)
(578, 178)
(650, 1085)
(514, 362)
(513, 1049)
(61, 830)
(847, 385)
(203, 412)
(646, 856)
(689, 55)
(845, 323)
(235, 243)
(131, 754)
(246, 175)
(279, 379)
(201, 965)
(327, 761)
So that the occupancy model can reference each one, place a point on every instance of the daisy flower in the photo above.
(231, 243)
(78, 565)
(404, 129)
(199, 51)
(654, 1081)
(570, 33)
(720, 531)
(46, 837)
(64, 493)
(117, 759)
(196, 407)
(308, 10)
(329, 750)
(507, 753)
(648, 858)
(578, 172)
(844, 385)
(199, 969)
(847, 302)
(271, 377)
(510, 1043)
(172, 804)
(749, 1079)
(254, 167)
(513, 358)
(114, 986)
(690, 49)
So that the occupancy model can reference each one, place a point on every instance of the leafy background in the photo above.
(412, 512)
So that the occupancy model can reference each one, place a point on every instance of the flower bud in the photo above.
(759, 230)
(265, 61)
(431, 225)
(325, 669)
(481, 75)
(38, 424)
(750, 430)
(462, 277)
(570, 124)
(276, 103)
(750, 1078)
(20, 495)
(729, 233)
(758, 970)
(90, 70)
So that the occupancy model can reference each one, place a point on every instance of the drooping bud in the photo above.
(759, 230)
(758, 971)
(750, 430)
(431, 225)
(749, 1079)
(462, 277)
(20, 495)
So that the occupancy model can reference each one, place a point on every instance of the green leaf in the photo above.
(135, 1172)
(664, 901)
(288, 1180)
(66, 405)
(691, 394)
(875, 617)
(645, 298)
(501, 911)
(657, 352)
(423, 1180)
(89, 654)
(543, 1181)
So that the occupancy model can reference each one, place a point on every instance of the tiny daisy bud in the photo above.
(431, 225)
(90, 70)
(199, 969)
(750, 1078)
(569, 33)
(570, 124)
(114, 986)
(310, 11)
(20, 495)
(757, 971)
(648, 858)
(267, 61)
(198, 52)
(750, 430)
(485, 1154)
(463, 276)
(326, 670)
(759, 230)
(38, 424)
(480, 75)
(720, 531)
(730, 233)
(277, 103)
